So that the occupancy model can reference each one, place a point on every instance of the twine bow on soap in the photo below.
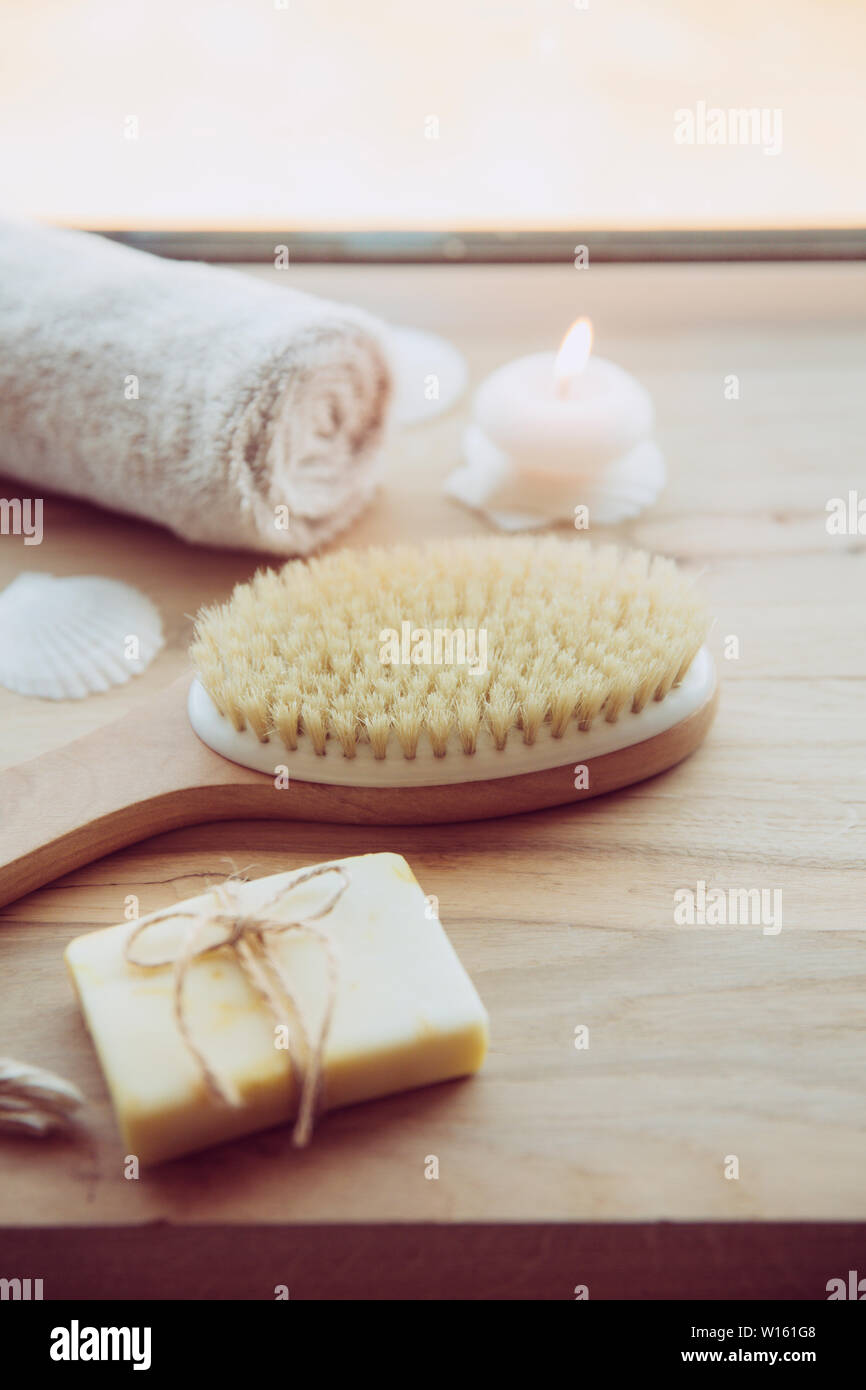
(248, 933)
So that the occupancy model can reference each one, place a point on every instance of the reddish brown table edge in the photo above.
(658, 1260)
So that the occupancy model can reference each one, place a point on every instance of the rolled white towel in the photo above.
(235, 412)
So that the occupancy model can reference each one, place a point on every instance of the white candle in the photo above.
(554, 431)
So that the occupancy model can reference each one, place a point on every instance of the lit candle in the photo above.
(572, 357)
(552, 432)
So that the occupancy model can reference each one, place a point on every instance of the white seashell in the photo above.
(62, 639)
(517, 500)
(429, 374)
(34, 1101)
(628, 485)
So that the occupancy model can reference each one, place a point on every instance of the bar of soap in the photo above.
(406, 1012)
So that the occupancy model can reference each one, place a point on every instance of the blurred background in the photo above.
(398, 115)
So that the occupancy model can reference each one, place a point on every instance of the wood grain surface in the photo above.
(705, 1042)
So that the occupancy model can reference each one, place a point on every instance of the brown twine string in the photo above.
(247, 934)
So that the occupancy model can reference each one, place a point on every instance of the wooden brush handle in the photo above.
(148, 772)
(135, 777)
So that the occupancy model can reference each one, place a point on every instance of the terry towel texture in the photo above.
(199, 398)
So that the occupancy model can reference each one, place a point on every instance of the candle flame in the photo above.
(574, 353)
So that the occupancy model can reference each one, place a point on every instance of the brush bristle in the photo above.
(573, 634)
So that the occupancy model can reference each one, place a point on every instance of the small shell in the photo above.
(35, 1101)
(490, 482)
(429, 374)
(62, 639)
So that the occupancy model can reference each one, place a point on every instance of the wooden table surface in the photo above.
(704, 1042)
